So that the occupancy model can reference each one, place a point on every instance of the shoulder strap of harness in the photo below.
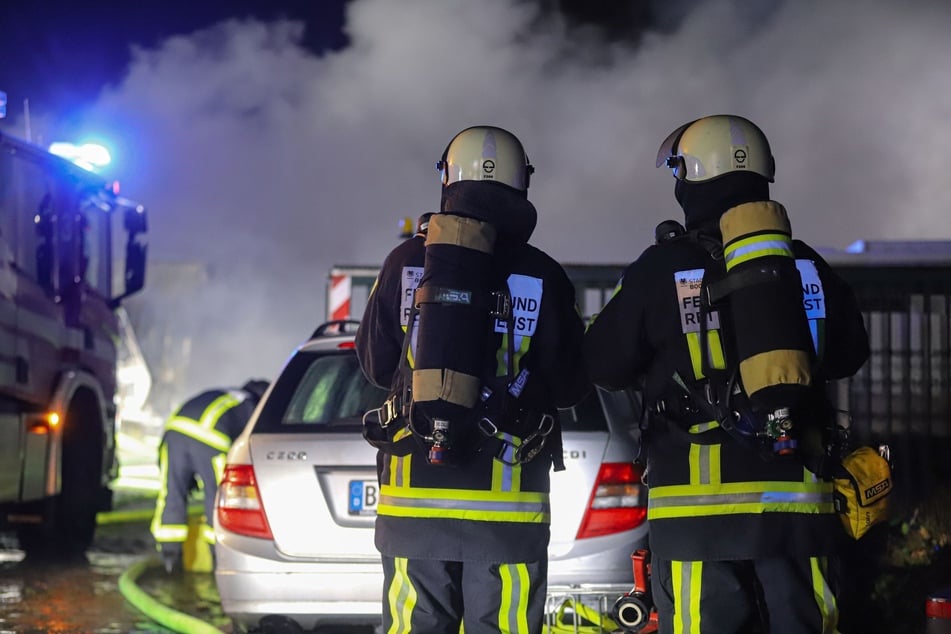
(714, 402)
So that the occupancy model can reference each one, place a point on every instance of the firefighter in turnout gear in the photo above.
(463, 517)
(194, 444)
(743, 526)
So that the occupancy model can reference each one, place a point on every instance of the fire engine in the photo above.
(64, 232)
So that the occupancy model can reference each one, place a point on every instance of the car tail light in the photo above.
(618, 501)
(240, 509)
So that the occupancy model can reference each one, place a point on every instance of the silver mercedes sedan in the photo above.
(296, 506)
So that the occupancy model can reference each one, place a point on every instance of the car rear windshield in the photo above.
(319, 390)
(328, 390)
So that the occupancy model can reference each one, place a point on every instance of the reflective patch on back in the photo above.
(813, 296)
(688, 299)
(409, 281)
(526, 305)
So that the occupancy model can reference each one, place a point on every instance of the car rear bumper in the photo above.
(333, 593)
(255, 581)
(598, 560)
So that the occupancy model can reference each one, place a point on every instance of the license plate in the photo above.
(363, 497)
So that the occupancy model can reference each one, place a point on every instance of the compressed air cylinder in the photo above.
(453, 322)
(771, 329)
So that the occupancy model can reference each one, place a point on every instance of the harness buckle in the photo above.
(487, 427)
(535, 441)
(491, 430)
(385, 414)
(391, 410)
(501, 308)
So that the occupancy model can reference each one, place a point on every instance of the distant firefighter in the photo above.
(192, 453)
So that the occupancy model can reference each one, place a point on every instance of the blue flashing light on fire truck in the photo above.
(64, 232)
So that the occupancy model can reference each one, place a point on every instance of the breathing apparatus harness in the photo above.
(720, 397)
(395, 428)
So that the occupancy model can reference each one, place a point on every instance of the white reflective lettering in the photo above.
(409, 281)
(526, 305)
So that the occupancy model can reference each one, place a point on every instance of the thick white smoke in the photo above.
(271, 164)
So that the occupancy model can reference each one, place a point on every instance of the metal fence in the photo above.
(902, 395)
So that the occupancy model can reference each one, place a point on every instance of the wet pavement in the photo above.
(83, 596)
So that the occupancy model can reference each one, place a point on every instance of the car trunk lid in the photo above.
(316, 489)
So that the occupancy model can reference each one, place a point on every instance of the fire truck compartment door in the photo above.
(11, 439)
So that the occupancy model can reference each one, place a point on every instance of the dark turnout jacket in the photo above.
(482, 510)
(711, 496)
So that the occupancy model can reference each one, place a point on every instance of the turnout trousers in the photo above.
(182, 460)
(780, 596)
(437, 597)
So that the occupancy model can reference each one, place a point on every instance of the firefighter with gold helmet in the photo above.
(732, 329)
(476, 335)
(195, 441)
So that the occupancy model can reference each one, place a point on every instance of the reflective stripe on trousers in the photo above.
(697, 597)
(165, 532)
(428, 596)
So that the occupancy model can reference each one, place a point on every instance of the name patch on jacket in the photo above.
(813, 297)
(688, 298)
(526, 294)
(409, 280)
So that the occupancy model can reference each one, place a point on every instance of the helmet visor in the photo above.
(669, 147)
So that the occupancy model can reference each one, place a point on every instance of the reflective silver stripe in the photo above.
(723, 499)
(686, 578)
(401, 597)
(760, 245)
(699, 428)
(165, 532)
(172, 533)
(467, 505)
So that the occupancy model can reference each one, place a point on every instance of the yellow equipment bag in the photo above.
(861, 490)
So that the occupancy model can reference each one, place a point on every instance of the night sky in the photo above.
(271, 145)
(57, 53)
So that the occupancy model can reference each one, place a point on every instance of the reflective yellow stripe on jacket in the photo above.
(757, 246)
(465, 504)
(725, 498)
(203, 430)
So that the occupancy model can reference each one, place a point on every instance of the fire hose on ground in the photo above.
(155, 610)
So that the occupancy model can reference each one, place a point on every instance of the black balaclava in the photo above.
(506, 208)
(704, 203)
